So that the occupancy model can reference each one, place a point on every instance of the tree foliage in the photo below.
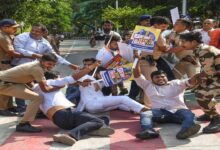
(126, 17)
(62, 15)
(55, 14)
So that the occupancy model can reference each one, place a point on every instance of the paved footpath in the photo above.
(126, 125)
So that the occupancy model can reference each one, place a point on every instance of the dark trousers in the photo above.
(79, 123)
(162, 65)
(21, 106)
(134, 90)
(73, 94)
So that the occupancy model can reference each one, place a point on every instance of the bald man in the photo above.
(207, 27)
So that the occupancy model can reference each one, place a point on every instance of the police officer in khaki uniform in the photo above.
(8, 28)
(209, 86)
(187, 63)
(15, 82)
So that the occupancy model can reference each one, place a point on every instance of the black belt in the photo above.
(6, 62)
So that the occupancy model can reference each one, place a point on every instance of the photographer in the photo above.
(98, 38)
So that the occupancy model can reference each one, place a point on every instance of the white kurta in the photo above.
(94, 101)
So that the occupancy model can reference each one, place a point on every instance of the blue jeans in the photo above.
(79, 123)
(182, 116)
(73, 94)
(21, 106)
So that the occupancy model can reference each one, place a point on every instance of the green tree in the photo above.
(204, 8)
(126, 17)
(55, 14)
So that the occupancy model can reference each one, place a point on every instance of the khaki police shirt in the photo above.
(6, 46)
(24, 73)
(174, 39)
(209, 58)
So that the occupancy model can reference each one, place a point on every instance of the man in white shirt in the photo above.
(167, 104)
(106, 54)
(33, 45)
(63, 114)
(207, 27)
(93, 100)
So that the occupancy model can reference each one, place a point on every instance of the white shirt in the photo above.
(27, 46)
(205, 36)
(87, 94)
(169, 97)
(55, 98)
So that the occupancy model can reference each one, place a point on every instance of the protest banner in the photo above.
(115, 62)
(144, 38)
(116, 75)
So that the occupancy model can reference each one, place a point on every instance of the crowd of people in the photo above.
(182, 58)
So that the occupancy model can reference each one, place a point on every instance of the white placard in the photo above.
(126, 51)
(174, 14)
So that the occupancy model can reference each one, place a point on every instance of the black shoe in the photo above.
(27, 127)
(184, 134)
(213, 127)
(204, 117)
(147, 134)
(105, 119)
(13, 109)
(7, 113)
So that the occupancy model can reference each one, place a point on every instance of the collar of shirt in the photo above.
(40, 40)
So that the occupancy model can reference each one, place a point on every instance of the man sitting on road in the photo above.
(167, 104)
(93, 100)
(63, 114)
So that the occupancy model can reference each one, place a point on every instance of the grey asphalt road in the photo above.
(75, 51)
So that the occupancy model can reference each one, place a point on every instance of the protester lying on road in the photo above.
(63, 114)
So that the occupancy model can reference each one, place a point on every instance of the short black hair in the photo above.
(186, 22)
(191, 36)
(89, 59)
(41, 26)
(112, 38)
(49, 57)
(108, 21)
(158, 72)
(51, 74)
(159, 20)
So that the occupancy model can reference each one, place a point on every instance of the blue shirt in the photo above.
(28, 46)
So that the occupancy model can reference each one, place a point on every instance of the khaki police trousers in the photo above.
(146, 70)
(21, 91)
(5, 101)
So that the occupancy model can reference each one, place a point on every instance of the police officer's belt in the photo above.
(5, 62)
